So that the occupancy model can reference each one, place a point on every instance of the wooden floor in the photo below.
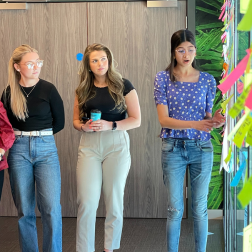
(139, 235)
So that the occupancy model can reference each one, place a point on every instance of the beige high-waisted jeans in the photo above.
(103, 162)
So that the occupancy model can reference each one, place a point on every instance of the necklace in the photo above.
(30, 91)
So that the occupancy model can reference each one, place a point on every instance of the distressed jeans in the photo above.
(177, 154)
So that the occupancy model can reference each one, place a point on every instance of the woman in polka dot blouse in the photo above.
(184, 99)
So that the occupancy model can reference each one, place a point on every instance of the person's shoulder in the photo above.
(46, 85)
(126, 82)
(163, 74)
(207, 76)
(128, 86)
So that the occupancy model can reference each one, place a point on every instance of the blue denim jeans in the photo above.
(177, 154)
(33, 162)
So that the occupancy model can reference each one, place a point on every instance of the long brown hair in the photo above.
(177, 38)
(17, 99)
(114, 80)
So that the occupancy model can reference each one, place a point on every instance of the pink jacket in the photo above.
(7, 136)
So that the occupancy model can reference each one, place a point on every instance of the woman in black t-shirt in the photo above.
(104, 156)
(35, 110)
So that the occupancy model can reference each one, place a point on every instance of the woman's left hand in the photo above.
(100, 125)
(2, 151)
(219, 119)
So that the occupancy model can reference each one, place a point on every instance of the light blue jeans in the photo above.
(33, 161)
(177, 154)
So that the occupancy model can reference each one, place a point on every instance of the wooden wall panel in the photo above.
(139, 38)
(58, 31)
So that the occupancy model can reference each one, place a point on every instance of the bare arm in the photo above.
(132, 121)
(171, 123)
(79, 125)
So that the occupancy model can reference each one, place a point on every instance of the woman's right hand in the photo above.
(85, 126)
(204, 125)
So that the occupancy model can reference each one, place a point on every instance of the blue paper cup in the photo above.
(95, 114)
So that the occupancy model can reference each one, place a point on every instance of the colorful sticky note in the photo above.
(248, 102)
(240, 86)
(238, 175)
(249, 137)
(239, 136)
(247, 238)
(237, 126)
(235, 74)
(246, 22)
(224, 104)
(229, 154)
(248, 79)
(244, 6)
(245, 195)
(239, 105)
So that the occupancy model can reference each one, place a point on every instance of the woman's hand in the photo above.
(2, 151)
(86, 126)
(100, 125)
(218, 119)
(204, 125)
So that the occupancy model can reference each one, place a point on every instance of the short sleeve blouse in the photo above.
(188, 101)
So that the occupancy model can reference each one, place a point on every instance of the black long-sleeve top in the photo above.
(45, 108)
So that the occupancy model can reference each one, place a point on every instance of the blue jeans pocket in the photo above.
(167, 145)
(206, 146)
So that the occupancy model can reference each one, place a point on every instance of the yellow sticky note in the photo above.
(249, 137)
(227, 159)
(243, 6)
(239, 136)
(245, 195)
(224, 104)
(237, 126)
(222, 80)
(248, 79)
(246, 22)
(239, 105)
(247, 238)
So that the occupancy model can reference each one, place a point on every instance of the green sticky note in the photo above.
(237, 126)
(239, 105)
(247, 238)
(229, 155)
(239, 136)
(249, 137)
(246, 22)
(244, 6)
(245, 195)
(248, 79)
(224, 104)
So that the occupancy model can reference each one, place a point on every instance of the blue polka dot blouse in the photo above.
(188, 101)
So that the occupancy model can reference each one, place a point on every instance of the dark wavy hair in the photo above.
(177, 38)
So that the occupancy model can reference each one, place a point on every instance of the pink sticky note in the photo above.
(248, 102)
(240, 86)
(235, 74)
(222, 13)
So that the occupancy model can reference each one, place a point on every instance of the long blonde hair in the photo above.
(113, 79)
(17, 100)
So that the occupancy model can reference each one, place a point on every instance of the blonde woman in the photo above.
(35, 110)
(104, 156)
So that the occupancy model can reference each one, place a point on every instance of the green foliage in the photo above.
(209, 59)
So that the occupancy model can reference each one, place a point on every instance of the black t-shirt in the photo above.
(45, 108)
(105, 103)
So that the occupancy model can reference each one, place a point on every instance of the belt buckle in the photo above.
(34, 133)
